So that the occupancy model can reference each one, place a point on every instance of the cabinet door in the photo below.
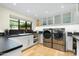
(67, 18)
(57, 19)
(24, 40)
(50, 21)
(30, 40)
(16, 52)
(44, 21)
(78, 7)
(76, 15)
(16, 39)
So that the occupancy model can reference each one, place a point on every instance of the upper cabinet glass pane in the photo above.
(67, 18)
(57, 19)
(50, 21)
(78, 6)
(44, 21)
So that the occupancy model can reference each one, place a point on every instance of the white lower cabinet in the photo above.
(26, 41)
(69, 43)
(41, 38)
(16, 52)
(30, 40)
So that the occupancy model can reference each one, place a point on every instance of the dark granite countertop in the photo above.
(7, 45)
(76, 37)
(23, 34)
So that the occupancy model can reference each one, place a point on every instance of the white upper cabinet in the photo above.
(76, 15)
(67, 18)
(78, 7)
(50, 21)
(57, 19)
(44, 21)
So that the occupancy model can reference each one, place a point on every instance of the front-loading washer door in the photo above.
(47, 39)
(47, 34)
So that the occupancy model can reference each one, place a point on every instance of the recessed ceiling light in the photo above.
(46, 12)
(35, 15)
(62, 6)
(27, 10)
(14, 4)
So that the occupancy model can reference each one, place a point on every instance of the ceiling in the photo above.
(38, 9)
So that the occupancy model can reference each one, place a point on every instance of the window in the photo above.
(22, 25)
(67, 18)
(57, 19)
(13, 24)
(29, 25)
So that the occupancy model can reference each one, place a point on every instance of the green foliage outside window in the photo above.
(13, 24)
(20, 24)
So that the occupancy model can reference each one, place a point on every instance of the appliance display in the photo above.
(47, 38)
(59, 42)
(55, 38)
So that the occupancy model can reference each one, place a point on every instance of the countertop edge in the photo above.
(76, 37)
(19, 35)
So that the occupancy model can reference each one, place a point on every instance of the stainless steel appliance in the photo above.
(59, 39)
(55, 38)
(47, 38)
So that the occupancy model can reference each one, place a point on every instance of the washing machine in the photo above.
(54, 38)
(48, 37)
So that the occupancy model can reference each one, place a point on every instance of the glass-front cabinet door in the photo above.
(57, 19)
(67, 18)
(78, 7)
(50, 21)
(44, 21)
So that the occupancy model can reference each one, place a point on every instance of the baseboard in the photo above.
(29, 47)
(69, 51)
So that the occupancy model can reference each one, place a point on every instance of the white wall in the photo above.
(4, 17)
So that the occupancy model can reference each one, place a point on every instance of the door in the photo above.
(47, 39)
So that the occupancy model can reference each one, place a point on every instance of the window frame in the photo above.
(18, 26)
